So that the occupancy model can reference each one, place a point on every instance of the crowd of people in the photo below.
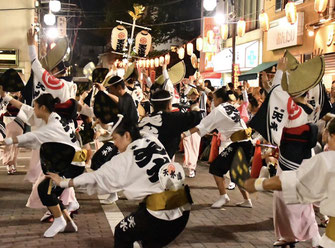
(284, 129)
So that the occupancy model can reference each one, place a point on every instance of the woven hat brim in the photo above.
(304, 77)
(176, 74)
(105, 108)
(55, 55)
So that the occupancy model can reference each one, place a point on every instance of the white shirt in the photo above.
(44, 82)
(55, 130)
(134, 171)
(225, 118)
(314, 181)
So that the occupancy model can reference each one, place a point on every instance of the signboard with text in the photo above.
(246, 56)
(282, 34)
(325, 39)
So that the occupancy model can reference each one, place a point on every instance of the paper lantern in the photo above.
(152, 63)
(320, 6)
(156, 62)
(241, 24)
(116, 63)
(224, 31)
(147, 63)
(119, 38)
(161, 60)
(210, 36)
(194, 61)
(264, 21)
(181, 53)
(189, 48)
(143, 43)
(167, 59)
(199, 44)
(291, 12)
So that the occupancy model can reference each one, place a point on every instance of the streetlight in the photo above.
(219, 18)
(209, 5)
(54, 6)
(52, 33)
(49, 19)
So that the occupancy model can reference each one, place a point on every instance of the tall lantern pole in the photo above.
(138, 12)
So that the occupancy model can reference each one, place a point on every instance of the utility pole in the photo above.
(233, 43)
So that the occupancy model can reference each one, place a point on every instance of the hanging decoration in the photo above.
(264, 21)
(189, 49)
(156, 62)
(119, 38)
(161, 60)
(181, 53)
(320, 6)
(209, 5)
(241, 25)
(143, 43)
(138, 11)
(210, 37)
(147, 63)
(167, 59)
(194, 61)
(224, 31)
(152, 63)
(291, 12)
(199, 44)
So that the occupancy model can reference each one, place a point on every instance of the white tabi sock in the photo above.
(224, 199)
(57, 226)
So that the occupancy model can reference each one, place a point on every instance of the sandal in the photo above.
(284, 243)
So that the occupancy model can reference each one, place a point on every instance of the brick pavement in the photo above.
(228, 227)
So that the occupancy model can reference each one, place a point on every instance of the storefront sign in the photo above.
(237, 72)
(283, 34)
(247, 57)
(325, 40)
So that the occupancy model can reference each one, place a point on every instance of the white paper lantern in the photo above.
(209, 5)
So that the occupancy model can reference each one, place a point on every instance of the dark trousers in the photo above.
(52, 200)
(150, 231)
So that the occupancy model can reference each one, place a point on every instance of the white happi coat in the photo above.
(44, 82)
(225, 118)
(134, 171)
(56, 130)
(314, 181)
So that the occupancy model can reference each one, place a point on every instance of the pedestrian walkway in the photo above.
(227, 227)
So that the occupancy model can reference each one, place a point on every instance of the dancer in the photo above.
(54, 130)
(167, 126)
(138, 171)
(312, 182)
(226, 119)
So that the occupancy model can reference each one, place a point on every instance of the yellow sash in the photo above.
(330, 230)
(80, 156)
(168, 200)
(241, 135)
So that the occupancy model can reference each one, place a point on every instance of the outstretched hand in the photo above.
(282, 64)
(31, 37)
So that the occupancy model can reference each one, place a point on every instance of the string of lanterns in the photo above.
(291, 15)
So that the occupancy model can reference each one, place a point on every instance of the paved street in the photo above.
(228, 227)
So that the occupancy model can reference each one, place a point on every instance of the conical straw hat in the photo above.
(55, 55)
(176, 73)
(303, 77)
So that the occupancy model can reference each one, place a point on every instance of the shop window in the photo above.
(280, 4)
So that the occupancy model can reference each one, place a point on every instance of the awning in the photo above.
(207, 74)
(252, 74)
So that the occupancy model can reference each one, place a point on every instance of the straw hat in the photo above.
(11, 81)
(300, 78)
(55, 55)
(176, 73)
